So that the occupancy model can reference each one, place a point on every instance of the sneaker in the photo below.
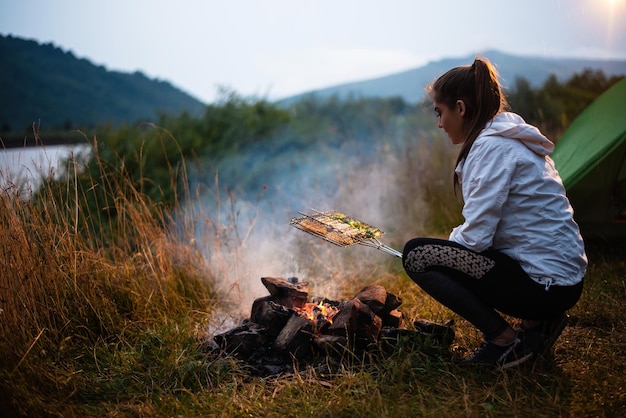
(541, 339)
(505, 357)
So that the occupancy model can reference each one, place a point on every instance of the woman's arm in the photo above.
(486, 179)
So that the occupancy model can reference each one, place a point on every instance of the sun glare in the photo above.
(613, 4)
(613, 11)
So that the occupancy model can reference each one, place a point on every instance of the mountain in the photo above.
(43, 83)
(410, 84)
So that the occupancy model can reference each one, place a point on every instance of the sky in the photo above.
(277, 48)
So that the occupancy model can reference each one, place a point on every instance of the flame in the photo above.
(314, 311)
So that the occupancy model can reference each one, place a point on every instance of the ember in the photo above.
(322, 311)
(285, 329)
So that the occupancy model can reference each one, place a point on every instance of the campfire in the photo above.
(286, 328)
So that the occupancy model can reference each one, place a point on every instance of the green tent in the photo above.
(591, 158)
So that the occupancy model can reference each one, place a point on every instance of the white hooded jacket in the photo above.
(514, 202)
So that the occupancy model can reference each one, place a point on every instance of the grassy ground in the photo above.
(585, 376)
(115, 327)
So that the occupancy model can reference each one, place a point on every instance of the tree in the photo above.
(555, 105)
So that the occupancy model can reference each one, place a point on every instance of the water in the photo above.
(25, 167)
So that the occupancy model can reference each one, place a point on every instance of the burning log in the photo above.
(393, 319)
(284, 325)
(320, 311)
(295, 338)
(373, 296)
(357, 322)
(383, 304)
(242, 341)
(290, 292)
(270, 315)
(392, 302)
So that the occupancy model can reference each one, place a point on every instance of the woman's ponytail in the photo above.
(489, 97)
(483, 104)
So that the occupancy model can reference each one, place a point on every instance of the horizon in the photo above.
(276, 49)
(485, 52)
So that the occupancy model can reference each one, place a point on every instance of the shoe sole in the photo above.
(517, 362)
(505, 366)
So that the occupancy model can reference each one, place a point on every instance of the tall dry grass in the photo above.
(72, 293)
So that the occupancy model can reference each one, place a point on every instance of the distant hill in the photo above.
(410, 84)
(41, 82)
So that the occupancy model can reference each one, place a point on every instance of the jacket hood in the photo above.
(511, 125)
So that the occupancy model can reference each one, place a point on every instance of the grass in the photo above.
(95, 327)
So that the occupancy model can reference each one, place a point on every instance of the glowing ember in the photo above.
(315, 312)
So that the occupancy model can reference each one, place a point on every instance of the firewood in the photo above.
(369, 334)
(357, 321)
(270, 315)
(373, 296)
(392, 302)
(242, 341)
(296, 336)
(392, 319)
(291, 292)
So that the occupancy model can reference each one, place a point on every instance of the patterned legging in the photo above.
(477, 286)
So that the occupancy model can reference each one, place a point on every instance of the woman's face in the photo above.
(451, 120)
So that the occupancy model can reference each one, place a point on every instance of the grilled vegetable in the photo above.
(368, 230)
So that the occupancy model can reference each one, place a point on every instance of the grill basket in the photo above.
(342, 230)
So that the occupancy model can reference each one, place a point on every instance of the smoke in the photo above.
(246, 203)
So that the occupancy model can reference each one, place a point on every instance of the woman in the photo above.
(519, 251)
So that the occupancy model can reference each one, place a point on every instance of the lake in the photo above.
(27, 165)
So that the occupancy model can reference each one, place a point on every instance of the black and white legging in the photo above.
(478, 285)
